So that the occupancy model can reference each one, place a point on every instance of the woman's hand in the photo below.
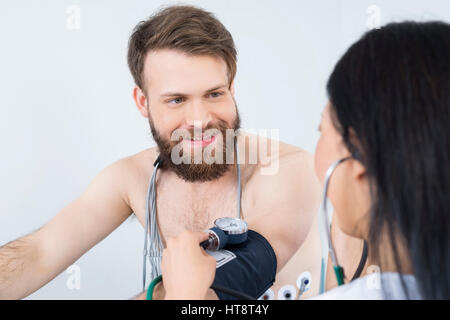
(188, 271)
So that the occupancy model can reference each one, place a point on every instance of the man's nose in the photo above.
(197, 115)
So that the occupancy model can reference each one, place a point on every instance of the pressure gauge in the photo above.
(236, 229)
(225, 231)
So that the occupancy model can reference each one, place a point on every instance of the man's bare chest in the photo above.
(178, 210)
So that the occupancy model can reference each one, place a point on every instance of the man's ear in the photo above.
(141, 101)
(232, 88)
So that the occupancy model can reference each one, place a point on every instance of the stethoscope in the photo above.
(327, 245)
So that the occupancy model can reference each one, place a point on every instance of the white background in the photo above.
(67, 110)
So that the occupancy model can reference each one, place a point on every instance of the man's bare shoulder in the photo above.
(294, 155)
(287, 174)
(275, 158)
(141, 161)
(128, 173)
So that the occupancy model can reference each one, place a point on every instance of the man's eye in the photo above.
(176, 100)
(215, 94)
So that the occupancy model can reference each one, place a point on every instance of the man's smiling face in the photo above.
(189, 96)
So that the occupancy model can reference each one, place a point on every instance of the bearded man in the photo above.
(183, 61)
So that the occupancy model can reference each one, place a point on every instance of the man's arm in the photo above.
(159, 293)
(30, 262)
(285, 204)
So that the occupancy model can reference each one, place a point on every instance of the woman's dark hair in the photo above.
(390, 97)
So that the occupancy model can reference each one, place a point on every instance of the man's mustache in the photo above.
(198, 133)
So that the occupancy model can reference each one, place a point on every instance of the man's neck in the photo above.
(202, 187)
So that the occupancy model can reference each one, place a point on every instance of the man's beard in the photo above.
(194, 171)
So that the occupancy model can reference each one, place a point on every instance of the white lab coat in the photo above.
(375, 286)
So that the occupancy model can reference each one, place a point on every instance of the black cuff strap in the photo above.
(251, 273)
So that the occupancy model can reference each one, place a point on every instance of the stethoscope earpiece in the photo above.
(357, 155)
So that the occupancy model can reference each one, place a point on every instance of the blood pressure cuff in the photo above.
(252, 271)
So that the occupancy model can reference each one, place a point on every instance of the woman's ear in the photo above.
(358, 170)
(141, 101)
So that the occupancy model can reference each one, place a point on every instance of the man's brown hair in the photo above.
(188, 29)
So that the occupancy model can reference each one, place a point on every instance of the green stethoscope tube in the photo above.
(151, 287)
